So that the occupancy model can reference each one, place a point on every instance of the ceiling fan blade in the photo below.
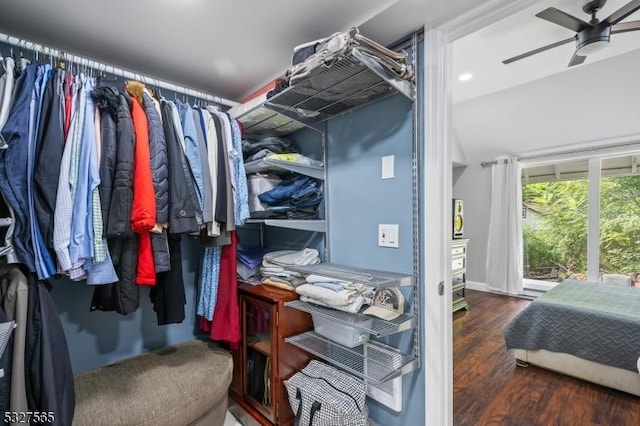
(538, 50)
(563, 19)
(625, 27)
(623, 12)
(576, 59)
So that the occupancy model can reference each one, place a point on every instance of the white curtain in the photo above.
(504, 249)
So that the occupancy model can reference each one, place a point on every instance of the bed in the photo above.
(583, 329)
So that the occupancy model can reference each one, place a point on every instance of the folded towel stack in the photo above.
(274, 267)
(334, 293)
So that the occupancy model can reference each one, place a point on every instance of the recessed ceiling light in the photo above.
(465, 77)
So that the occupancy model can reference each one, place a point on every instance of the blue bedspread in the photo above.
(593, 321)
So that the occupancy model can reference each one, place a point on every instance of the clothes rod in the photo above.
(99, 66)
(634, 142)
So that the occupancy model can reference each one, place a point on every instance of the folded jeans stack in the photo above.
(298, 198)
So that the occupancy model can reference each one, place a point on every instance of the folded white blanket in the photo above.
(313, 278)
(353, 307)
(328, 296)
(306, 256)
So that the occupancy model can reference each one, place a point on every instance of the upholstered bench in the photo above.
(184, 384)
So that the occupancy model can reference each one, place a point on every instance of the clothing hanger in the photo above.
(158, 91)
(24, 62)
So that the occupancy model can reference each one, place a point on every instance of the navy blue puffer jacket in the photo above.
(160, 177)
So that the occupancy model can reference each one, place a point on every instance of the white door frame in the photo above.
(435, 201)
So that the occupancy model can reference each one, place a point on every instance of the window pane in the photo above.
(555, 229)
(619, 220)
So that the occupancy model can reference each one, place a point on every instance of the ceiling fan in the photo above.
(590, 36)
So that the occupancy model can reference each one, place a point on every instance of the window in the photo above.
(581, 219)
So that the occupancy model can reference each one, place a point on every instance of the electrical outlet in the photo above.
(388, 167)
(388, 235)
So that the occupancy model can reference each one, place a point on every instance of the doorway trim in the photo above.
(435, 200)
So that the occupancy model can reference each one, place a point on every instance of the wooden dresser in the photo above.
(264, 360)
(459, 273)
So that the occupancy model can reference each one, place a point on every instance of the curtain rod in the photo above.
(634, 142)
(100, 66)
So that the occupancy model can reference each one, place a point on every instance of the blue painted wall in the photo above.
(360, 200)
(101, 338)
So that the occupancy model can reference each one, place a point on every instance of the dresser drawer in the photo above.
(457, 278)
(457, 264)
(458, 250)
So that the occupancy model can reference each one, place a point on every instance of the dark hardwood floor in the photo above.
(488, 388)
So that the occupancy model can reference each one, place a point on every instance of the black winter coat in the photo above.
(48, 375)
(183, 204)
(106, 98)
(123, 296)
(119, 224)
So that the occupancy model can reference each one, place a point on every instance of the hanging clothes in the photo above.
(183, 208)
(143, 210)
(37, 369)
(191, 149)
(241, 191)
(213, 228)
(64, 198)
(224, 205)
(207, 189)
(83, 179)
(168, 295)
(14, 293)
(7, 95)
(99, 175)
(209, 279)
(105, 97)
(226, 318)
(116, 171)
(49, 378)
(44, 263)
(160, 177)
(48, 156)
(13, 170)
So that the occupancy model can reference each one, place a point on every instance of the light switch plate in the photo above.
(388, 167)
(388, 235)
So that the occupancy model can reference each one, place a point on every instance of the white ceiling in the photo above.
(589, 104)
(481, 53)
(539, 103)
(228, 48)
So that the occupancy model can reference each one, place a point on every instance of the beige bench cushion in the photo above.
(171, 386)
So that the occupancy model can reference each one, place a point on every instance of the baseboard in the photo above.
(475, 285)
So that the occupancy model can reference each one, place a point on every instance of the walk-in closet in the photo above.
(216, 236)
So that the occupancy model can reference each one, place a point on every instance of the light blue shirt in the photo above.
(81, 243)
(241, 206)
(191, 149)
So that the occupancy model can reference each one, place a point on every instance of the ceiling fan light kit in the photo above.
(592, 40)
(590, 37)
